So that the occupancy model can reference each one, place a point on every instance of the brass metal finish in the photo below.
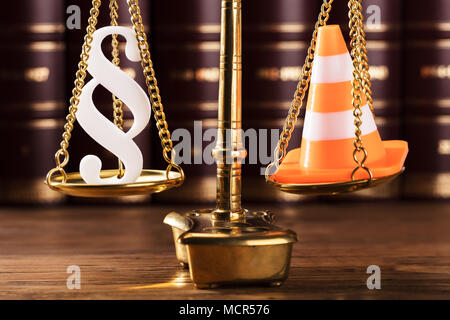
(229, 152)
(332, 188)
(231, 252)
(150, 181)
(229, 245)
(180, 224)
(360, 83)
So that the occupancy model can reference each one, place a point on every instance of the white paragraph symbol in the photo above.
(98, 127)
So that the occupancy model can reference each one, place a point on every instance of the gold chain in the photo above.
(153, 90)
(302, 88)
(360, 82)
(62, 155)
(117, 103)
(366, 81)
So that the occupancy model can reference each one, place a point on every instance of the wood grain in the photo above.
(127, 253)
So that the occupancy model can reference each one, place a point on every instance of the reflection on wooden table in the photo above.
(127, 253)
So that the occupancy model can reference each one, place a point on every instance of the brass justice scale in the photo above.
(227, 245)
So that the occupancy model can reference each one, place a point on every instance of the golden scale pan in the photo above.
(332, 188)
(150, 181)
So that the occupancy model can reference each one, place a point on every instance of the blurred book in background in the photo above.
(186, 41)
(32, 77)
(276, 36)
(427, 98)
(383, 28)
(81, 144)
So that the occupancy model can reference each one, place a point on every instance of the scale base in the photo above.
(222, 253)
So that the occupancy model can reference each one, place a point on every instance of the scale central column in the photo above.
(229, 245)
(229, 151)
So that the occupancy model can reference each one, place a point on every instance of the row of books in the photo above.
(408, 49)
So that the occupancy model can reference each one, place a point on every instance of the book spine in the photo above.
(383, 29)
(427, 99)
(276, 37)
(32, 76)
(186, 58)
(81, 144)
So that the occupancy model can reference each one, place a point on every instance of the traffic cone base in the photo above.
(326, 153)
(290, 171)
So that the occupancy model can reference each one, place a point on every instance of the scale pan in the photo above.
(150, 181)
(333, 188)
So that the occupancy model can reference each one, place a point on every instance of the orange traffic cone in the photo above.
(326, 154)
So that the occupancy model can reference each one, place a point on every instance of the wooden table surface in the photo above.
(127, 253)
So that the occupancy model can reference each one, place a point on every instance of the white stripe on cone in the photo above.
(336, 125)
(332, 69)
